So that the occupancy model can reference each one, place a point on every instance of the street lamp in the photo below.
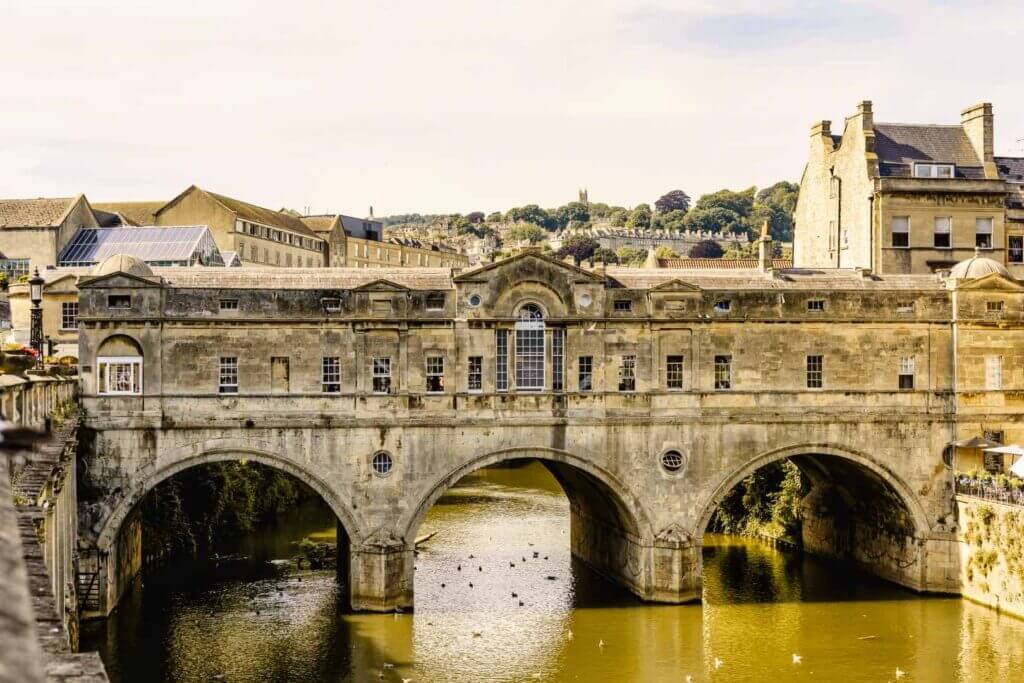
(35, 293)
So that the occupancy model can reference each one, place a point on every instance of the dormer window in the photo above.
(723, 306)
(623, 305)
(332, 305)
(815, 305)
(933, 170)
(229, 304)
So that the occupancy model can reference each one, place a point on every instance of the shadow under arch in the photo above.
(812, 459)
(147, 482)
(583, 482)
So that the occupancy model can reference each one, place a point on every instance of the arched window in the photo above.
(119, 367)
(530, 348)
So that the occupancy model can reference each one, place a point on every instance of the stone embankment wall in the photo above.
(992, 553)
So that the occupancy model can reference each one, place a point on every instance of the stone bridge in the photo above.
(880, 493)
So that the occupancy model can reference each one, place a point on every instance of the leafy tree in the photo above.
(640, 218)
(573, 211)
(665, 251)
(670, 220)
(618, 217)
(741, 203)
(676, 200)
(631, 256)
(717, 219)
(410, 218)
(475, 217)
(776, 204)
(531, 213)
(580, 247)
(494, 217)
(605, 255)
(782, 194)
(526, 232)
(706, 249)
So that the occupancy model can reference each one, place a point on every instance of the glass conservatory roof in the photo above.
(184, 245)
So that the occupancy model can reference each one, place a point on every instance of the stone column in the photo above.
(381, 578)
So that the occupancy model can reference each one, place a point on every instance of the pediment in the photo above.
(381, 285)
(528, 261)
(118, 280)
(675, 285)
(992, 282)
(62, 285)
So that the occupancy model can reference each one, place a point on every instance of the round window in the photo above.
(382, 463)
(672, 461)
(474, 300)
(585, 299)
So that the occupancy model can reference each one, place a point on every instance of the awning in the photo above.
(975, 442)
(1018, 468)
(1012, 449)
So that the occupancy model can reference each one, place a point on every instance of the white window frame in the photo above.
(103, 366)
(930, 170)
(987, 231)
(1015, 254)
(380, 367)
(585, 368)
(723, 372)
(816, 371)
(675, 372)
(330, 375)
(434, 369)
(64, 315)
(942, 225)
(908, 368)
(530, 349)
(900, 226)
(627, 373)
(475, 375)
(227, 366)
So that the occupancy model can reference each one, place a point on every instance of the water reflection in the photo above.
(254, 622)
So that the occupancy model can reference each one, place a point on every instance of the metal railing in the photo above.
(989, 491)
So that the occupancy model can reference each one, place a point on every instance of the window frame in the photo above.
(815, 367)
(675, 372)
(907, 368)
(627, 373)
(111, 298)
(905, 232)
(987, 234)
(65, 316)
(938, 232)
(103, 366)
(228, 304)
(815, 305)
(475, 375)
(622, 305)
(587, 372)
(330, 375)
(723, 372)
(994, 372)
(433, 373)
(722, 306)
(380, 369)
(227, 367)
(933, 170)
(1015, 254)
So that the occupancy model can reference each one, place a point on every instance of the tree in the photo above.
(631, 256)
(605, 255)
(706, 249)
(717, 219)
(531, 213)
(525, 232)
(782, 194)
(676, 200)
(640, 218)
(665, 251)
(741, 203)
(580, 247)
(475, 217)
(618, 217)
(670, 220)
(776, 204)
(572, 212)
(494, 217)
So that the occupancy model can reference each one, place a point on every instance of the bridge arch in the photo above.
(816, 451)
(563, 466)
(208, 453)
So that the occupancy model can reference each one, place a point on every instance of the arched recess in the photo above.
(594, 490)
(822, 462)
(145, 482)
(536, 291)
(119, 344)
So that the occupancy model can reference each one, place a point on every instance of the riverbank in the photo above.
(992, 554)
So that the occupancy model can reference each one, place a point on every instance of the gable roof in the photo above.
(527, 253)
(321, 223)
(132, 213)
(41, 212)
(260, 214)
(899, 145)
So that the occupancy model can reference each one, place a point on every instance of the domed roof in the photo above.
(123, 263)
(977, 266)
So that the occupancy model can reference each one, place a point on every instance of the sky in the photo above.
(446, 106)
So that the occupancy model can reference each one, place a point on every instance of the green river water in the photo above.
(260, 621)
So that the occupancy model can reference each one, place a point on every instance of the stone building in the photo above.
(360, 243)
(907, 198)
(34, 231)
(649, 393)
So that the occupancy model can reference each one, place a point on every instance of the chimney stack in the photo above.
(978, 124)
(765, 250)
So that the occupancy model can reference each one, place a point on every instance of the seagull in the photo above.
(797, 659)
(477, 634)
(600, 644)
(718, 663)
(689, 678)
(459, 567)
(479, 569)
(470, 584)
(900, 673)
(521, 603)
(514, 594)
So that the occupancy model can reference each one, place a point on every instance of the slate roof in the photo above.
(788, 279)
(721, 263)
(321, 223)
(41, 212)
(304, 278)
(1011, 169)
(899, 145)
(133, 213)
(263, 215)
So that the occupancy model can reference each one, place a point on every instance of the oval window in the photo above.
(672, 461)
(382, 463)
(474, 300)
(585, 299)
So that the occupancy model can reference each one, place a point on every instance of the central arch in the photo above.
(609, 528)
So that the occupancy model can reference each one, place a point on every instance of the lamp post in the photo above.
(35, 287)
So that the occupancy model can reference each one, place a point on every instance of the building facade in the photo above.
(649, 393)
(34, 231)
(907, 198)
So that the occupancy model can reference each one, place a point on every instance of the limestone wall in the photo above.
(992, 553)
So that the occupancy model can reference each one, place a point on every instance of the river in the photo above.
(255, 621)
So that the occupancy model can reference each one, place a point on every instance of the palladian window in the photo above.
(530, 348)
(119, 367)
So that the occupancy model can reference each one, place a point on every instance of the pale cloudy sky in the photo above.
(448, 105)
